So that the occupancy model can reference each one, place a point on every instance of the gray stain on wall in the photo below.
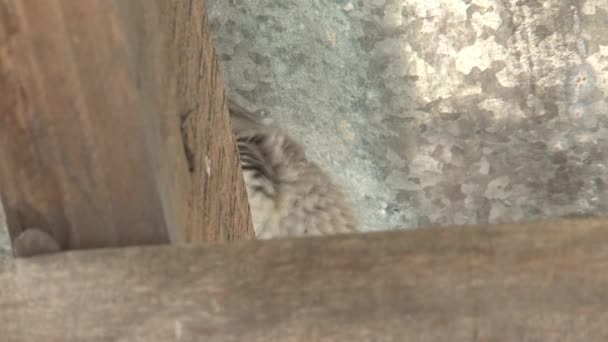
(433, 112)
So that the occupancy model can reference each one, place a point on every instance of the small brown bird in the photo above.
(289, 195)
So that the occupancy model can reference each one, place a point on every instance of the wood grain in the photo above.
(72, 155)
(535, 282)
(98, 148)
(182, 93)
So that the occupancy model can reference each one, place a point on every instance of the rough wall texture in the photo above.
(434, 112)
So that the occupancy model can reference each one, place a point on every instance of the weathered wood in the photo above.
(91, 143)
(72, 155)
(182, 95)
(536, 282)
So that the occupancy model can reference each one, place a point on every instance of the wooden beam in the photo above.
(99, 149)
(535, 282)
(72, 154)
(182, 95)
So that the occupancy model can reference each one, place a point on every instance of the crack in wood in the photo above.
(185, 130)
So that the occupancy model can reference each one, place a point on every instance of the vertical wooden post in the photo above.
(92, 147)
(182, 92)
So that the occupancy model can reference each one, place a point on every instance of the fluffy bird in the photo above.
(289, 195)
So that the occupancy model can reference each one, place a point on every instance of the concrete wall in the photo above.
(434, 112)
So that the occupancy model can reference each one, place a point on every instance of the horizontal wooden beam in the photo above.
(534, 282)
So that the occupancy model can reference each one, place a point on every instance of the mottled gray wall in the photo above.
(434, 112)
